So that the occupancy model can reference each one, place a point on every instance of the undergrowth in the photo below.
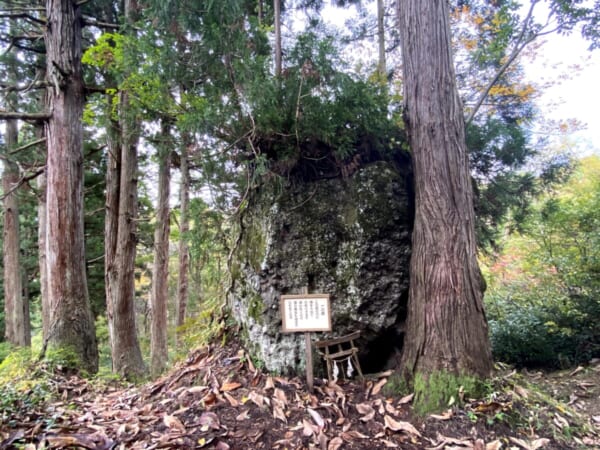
(442, 389)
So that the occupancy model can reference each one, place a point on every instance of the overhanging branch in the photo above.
(14, 115)
(520, 44)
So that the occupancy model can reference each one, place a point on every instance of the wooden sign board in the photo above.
(305, 313)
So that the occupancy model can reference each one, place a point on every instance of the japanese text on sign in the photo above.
(305, 313)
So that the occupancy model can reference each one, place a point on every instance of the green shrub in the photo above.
(5, 349)
(550, 337)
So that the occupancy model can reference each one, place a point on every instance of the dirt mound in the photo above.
(218, 399)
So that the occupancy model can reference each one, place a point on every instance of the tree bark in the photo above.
(159, 296)
(381, 67)
(13, 288)
(41, 185)
(71, 324)
(184, 228)
(446, 324)
(278, 50)
(121, 237)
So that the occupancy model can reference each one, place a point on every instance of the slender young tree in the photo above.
(42, 263)
(160, 291)
(278, 50)
(446, 324)
(70, 318)
(381, 66)
(184, 227)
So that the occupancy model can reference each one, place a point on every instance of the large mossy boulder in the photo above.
(347, 237)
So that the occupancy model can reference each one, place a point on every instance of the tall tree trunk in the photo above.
(71, 324)
(13, 287)
(381, 37)
(159, 296)
(41, 185)
(26, 310)
(184, 228)
(278, 50)
(446, 324)
(120, 236)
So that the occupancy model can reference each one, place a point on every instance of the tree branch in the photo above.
(519, 46)
(18, 88)
(37, 117)
(91, 21)
(20, 14)
(22, 181)
(28, 145)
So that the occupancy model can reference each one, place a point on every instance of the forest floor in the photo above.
(217, 399)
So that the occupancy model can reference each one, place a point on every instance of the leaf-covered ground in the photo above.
(217, 399)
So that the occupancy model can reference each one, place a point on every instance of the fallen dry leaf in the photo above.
(196, 389)
(231, 399)
(399, 425)
(494, 445)
(222, 446)
(406, 399)
(534, 445)
(389, 408)
(377, 387)
(209, 420)
(256, 398)
(364, 408)
(490, 407)
(576, 371)
(269, 383)
(352, 435)
(279, 414)
(444, 416)
(316, 417)
(521, 391)
(280, 395)
(308, 429)
(368, 417)
(173, 423)
(335, 443)
(560, 421)
(242, 416)
(389, 444)
(231, 386)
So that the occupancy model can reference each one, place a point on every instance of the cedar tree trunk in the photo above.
(446, 325)
(120, 235)
(120, 248)
(160, 293)
(278, 50)
(184, 251)
(41, 185)
(381, 37)
(71, 324)
(13, 288)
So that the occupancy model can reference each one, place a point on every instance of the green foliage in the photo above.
(22, 387)
(316, 111)
(544, 298)
(201, 329)
(439, 390)
(5, 350)
(104, 351)
(396, 385)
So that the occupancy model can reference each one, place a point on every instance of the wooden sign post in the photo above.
(306, 313)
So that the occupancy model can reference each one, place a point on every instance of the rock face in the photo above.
(349, 238)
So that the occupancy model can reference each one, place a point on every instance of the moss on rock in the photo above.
(346, 237)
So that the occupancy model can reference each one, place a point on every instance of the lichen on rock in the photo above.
(347, 237)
